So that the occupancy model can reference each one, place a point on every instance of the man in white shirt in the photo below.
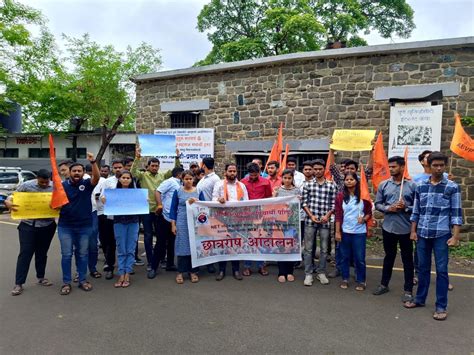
(299, 177)
(229, 189)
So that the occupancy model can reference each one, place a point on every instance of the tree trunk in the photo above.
(77, 127)
(107, 136)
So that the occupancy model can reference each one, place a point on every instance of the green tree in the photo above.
(245, 29)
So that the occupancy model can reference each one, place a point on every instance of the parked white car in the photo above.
(10, 179)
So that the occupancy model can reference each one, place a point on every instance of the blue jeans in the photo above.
(126, 236)
(309, 240)
(150, 227)
(74, 239)
(248, 264)
(424, 249)
(93, 244)
(353, 244)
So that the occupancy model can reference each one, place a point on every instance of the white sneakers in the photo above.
(323, 279)
(308, 280)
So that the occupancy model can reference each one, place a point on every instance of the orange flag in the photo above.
(406, 174)
(283, 162)
(59, 197)
(462, 144)
(364, 186)
(275, 153)
(327, 172)
(381, 171)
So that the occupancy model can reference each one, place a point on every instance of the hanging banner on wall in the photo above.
(417, 127)
(194, 144)
(267, 229)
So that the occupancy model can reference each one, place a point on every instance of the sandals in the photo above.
(412, 304)
(440, 315)
(44, 282)
(194, 278)
(65, 290)
(450, 287)
(290, 278)
(85, 286)
(17, 290)
(96, 275)
(344, 284)
(361, 287)
(246, 272)
(281, 279)
(76, 278)
(125, 283)
(179, 279)
(118, 284)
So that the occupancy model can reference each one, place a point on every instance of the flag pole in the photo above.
(450, 164)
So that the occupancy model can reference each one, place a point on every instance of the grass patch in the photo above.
(465, 250)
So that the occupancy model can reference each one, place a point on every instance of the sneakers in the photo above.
(407, 297)
(380, 290)
(139, 262)
(322, 279)
(333, 274)
(151, 274)
(308, 280)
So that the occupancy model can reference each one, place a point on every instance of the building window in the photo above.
(81, 153)
(38, 153)
(9, 153)
(184, 120)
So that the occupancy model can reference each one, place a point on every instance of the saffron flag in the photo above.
(330, 161)
(381, 171)
(284, 160)
(406, 174)
(275, 153)
(462, 144)
(365, 195)
(59, 197)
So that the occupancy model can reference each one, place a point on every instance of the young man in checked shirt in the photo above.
(318, 203)
(436, 222)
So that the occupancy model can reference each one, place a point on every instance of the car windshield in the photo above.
(8, 178)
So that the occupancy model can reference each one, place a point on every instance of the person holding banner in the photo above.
(352, 214)
(436, 222)
(318, 203)
(75, 223)
(229, 189)
(35, 235)
(179, 226)
(126, 235)
(150, 179)
(397, 208)
(257, 188)
(288, 188)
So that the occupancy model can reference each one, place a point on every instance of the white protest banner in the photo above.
(267, 229)
(194, 144)
(417, 127)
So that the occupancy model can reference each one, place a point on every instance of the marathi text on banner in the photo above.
(352, 139)
(33, 205)
(267, 229)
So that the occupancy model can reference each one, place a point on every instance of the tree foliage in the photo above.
(245, 29)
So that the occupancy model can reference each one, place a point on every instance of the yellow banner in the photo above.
(352, 139)
(33, 205)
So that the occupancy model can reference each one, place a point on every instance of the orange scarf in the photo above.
(240, 191)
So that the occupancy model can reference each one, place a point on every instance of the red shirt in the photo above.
(274, 183)
(258, 189)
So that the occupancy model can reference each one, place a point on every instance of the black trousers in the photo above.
(285, 268)
(33, 241)
(164, 246)
(185, 265)
(107, 240)
(390, 242)
(235, 266)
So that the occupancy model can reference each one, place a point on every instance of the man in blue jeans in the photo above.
(75, 223)
(436, 211)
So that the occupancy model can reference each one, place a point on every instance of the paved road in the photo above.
(256, 315)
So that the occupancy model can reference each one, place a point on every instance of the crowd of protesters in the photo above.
(425, 214)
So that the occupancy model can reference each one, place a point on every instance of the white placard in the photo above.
(194, 144)
(417, 127)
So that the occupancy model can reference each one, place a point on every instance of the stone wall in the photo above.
(313, 97)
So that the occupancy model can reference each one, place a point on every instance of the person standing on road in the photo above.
(436, 222)
(150, 180)
(288, 188)
(75, 223)
(352, 214)
(126, 235)
(396, 225)
(179, 226)
(257, 187)
(35, 235)
(229, 189)
(63, 168)
(273, 176)
(318, 203)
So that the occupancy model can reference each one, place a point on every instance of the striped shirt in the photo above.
(437, 208)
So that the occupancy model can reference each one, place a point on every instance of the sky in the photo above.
(171, 25)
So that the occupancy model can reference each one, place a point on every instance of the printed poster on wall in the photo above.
(194, 144)
(267, 229)
(417, 127)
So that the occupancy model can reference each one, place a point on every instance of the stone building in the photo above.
(313, 93)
